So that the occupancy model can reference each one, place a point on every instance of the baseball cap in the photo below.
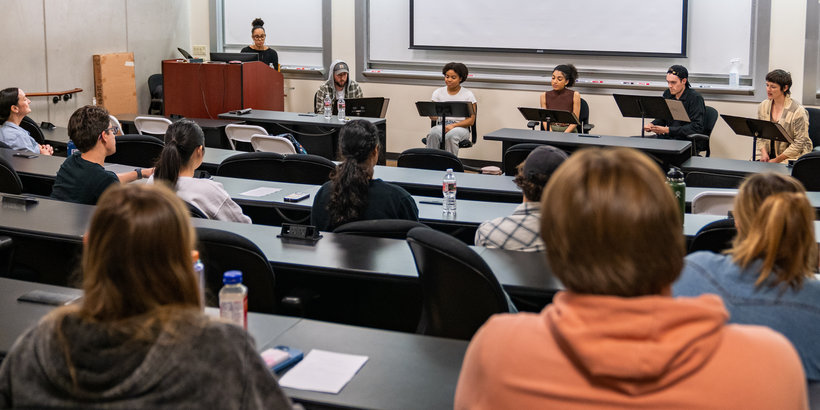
(340, 68)
(543, 160)
(680, 71)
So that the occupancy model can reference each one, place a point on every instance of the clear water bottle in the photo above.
(70, 148)
(199, 271)
(328, 106)
(448, 189)
(341, 106)
(233, 299)
(675, 180)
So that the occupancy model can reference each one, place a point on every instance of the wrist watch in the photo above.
(139, 172)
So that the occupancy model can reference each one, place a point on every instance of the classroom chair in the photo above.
(152, 125)
(814, 127)
(272, 143)
(195, 211)
(712, 180)
(715, 237)
(33, 129)
(429, 158)
(9, 180)
(458, 289)
(241, 133)
(271, 166)
(700, 142)
(807, 170)
(380, 228)
(136, 150)
(157, 100)
(713, 203)
(514, 156)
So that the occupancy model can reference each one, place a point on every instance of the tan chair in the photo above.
(713, 203)
(272, 143)
(116, 123)
(152, 125)
(242, 133)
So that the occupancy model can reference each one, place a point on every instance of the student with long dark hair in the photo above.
(138, 338)
(182, 155)
(352, 194)
(14, 105)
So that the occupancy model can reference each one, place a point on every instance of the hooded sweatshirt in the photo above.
(652, 352)
(351, 90)
(206, 364)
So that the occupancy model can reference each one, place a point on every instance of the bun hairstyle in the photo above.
(570, 73)
(257, 23)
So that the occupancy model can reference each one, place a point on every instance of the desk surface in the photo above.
(283, 117)
(733, 166)
(204, 123)
(561, 139)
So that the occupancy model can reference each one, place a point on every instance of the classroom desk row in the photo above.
(400, 366)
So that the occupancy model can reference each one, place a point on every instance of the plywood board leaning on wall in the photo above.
(114, 85)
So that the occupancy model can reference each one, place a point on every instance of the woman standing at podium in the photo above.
(780, 108)
(267, 55)
(561, 97)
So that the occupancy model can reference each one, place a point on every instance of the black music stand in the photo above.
(755, 128)
(640, 106)
(444, 110)
(546, 115)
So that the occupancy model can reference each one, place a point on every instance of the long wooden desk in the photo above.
(399, 366)
(318, 135)
(672, 152)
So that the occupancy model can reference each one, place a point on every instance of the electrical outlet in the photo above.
(200, 50)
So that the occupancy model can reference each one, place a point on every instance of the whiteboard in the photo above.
(718, 31)
(288, 23)
(579, 26)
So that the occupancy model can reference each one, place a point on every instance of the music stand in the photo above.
(545, 115)
(640, 106)
(444, 110)
(755, 128)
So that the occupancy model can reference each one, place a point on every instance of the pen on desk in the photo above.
(432, 202)
(307, 115)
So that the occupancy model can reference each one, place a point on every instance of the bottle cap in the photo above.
(449, 170)
(232, 277)
(674, 173)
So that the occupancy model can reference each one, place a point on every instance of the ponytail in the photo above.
(350, 181)
(181, 140)
(781, 234)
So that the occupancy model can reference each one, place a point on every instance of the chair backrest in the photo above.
(155, 85)
(221, 251)
(272, 143)
(814, 126)
(459, 290)
(712, 180)
(242, 133)
(136, 150)
(716, 236)
(271, 166)
(515, 155)
(807, 170)
(429, 158)
(713, 203)
(583, 116)
(307, 169)
(116, 124)
(9, 180)
(33, 129)
(709, 120)
(381, 228)
(195, 211)
(152, 125)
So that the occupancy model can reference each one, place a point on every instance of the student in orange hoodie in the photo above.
(616, 338)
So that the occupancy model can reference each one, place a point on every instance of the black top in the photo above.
(81, 181)
(268, 56)
(695, 108)
(384, 201)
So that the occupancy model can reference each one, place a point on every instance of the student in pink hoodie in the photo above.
(616, 338)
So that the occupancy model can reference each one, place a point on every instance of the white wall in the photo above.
(497, 108)
(48, 45)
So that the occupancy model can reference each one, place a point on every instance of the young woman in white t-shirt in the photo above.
(457, 129)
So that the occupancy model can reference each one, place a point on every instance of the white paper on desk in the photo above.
(323, 371)
(261, 191)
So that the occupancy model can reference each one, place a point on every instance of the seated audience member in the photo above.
(767, 277)
(138, 338)
(182, 155)
(82, 178)
(457, 128)
(560, 97)
(352, 194)
(14, 106)
(616, 338)
(338, 84)
(519, 231)
(677, 78)
(780, 108)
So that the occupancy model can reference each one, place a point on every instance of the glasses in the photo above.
(114, 130)
(259, 36)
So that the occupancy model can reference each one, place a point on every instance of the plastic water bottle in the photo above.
(328, 106)
(70, 148)
(675, 180)
(233, 299)
(199, 270)
(448, 189)
(340, 104)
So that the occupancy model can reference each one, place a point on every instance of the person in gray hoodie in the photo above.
(139, 337)
(338, 84)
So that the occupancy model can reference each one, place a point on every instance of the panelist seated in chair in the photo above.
(14, 106)
(677, 78)
(560, 97)
(457, 128)
(138, 338)
(352, 194)
(767, 277)
(82, 178)
(520, 231)
(338, 84)
(616, 338)
(182, 155)
(779, 107)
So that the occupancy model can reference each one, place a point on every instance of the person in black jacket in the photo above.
(677, 77)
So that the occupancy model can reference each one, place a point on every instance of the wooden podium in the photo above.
(205, 90)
